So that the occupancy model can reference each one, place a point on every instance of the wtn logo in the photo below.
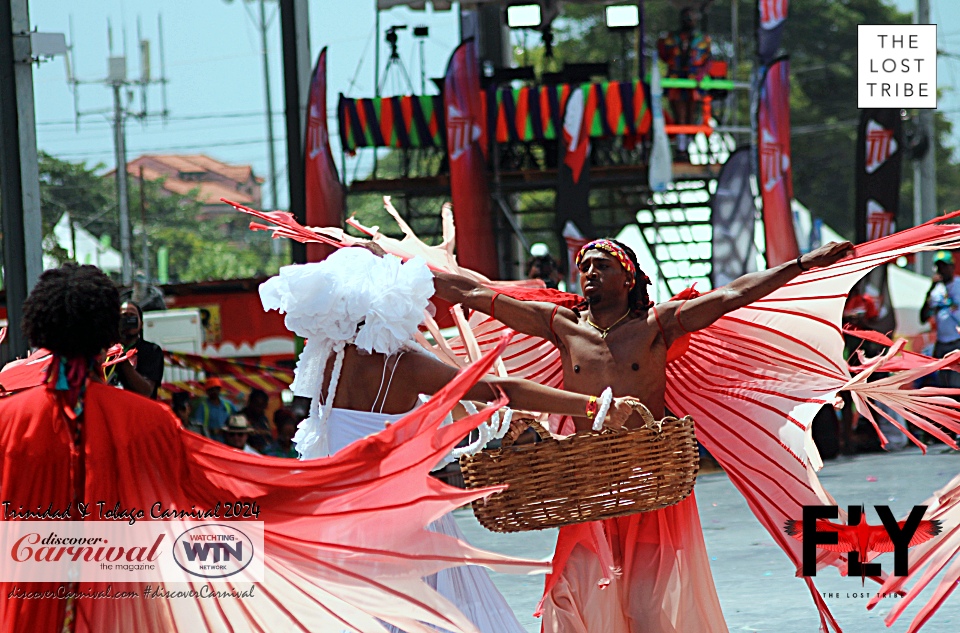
(213, 551)
(194, 551)
(860, 541)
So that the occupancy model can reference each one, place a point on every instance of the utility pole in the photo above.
(266, 87)
(19, 172)
(294, 23)
(145, 245)
(925, 169)
(119, 83)
(120, 154)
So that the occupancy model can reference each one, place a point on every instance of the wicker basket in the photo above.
(585, 477)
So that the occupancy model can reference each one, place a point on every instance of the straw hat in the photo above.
(237, 424)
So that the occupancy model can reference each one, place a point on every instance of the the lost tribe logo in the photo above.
(213, 551)
(859, 540)
(461, 132)
(772, 13)
(880, 222)
(775, 160)
(880, 145)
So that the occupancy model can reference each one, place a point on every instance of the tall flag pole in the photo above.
(325, 201)
(774, 167)
(466, 135)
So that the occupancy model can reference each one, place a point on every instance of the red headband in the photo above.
(613, 249)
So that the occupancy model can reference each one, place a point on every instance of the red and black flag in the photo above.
(879, 170)
(466, 138)
(775, 172)
(772, 15)
(325, 196)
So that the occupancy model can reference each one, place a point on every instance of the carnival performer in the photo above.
(363, 369)
(618, 337)
(344, 539)
(753, 381)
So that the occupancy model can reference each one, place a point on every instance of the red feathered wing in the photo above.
(754, 380)
(345, 544)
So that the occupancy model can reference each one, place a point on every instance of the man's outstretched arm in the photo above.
(681, 317)
(529, 317)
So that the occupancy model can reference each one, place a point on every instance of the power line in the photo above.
(331, 115)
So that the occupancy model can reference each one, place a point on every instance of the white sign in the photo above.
(897, 66)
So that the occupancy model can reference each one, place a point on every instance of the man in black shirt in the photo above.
(144, 372)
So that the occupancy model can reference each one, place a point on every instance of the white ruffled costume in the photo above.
(355, 297)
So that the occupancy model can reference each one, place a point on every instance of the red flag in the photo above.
(472, 213)
(325, 197)
(577, 119)
(776, 176)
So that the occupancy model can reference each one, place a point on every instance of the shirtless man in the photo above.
(620, 339)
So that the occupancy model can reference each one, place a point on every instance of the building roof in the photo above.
(209, 177)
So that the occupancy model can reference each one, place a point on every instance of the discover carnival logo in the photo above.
(140, 552)
(213, 551)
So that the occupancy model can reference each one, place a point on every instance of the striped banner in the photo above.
(534, 113)
(405, 122)
(531, 113)
(238, 377)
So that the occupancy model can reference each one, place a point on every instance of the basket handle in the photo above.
(538, 428)
(648, 420)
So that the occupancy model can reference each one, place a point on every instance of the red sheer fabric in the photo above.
(345, 544)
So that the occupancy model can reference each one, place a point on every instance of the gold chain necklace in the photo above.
(606, 330)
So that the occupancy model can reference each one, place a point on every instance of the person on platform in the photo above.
(618, 337)
(360, 312)
(686, 52)
(357, 520)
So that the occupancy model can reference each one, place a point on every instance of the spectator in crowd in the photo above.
(180, 404)
(283, 446)
(943, 304)
(236, 433)
(543, 266)
(686, 52)
(143, 373)
(256, 413)
(212, 412)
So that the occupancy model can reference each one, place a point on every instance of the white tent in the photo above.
(89, 249)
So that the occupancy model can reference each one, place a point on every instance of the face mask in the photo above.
(130, 322)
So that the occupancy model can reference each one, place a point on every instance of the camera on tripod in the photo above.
(391, 37)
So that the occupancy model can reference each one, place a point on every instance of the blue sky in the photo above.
(215, 91)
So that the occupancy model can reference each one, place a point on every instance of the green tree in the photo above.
(200, 249)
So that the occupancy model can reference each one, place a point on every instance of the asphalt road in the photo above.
(755, 580)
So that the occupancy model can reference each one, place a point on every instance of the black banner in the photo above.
(878, 173)
(879, 166)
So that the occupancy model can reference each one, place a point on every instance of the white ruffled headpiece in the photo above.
(352, 297)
